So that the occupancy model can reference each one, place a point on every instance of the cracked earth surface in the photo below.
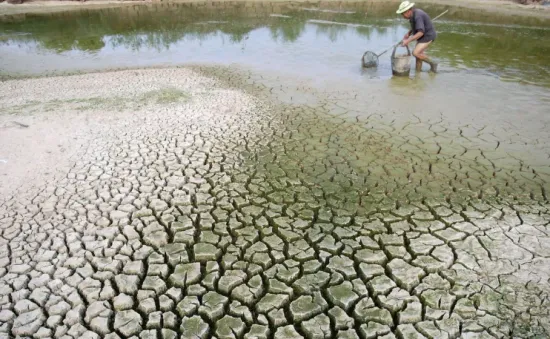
(207, 211)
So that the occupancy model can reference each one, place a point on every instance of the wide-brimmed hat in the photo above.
(404, 6)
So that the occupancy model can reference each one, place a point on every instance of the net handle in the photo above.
(440, 15)
(394, 47)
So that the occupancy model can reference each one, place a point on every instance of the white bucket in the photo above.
(401, 64)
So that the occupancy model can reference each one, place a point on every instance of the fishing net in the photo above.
(370, 59)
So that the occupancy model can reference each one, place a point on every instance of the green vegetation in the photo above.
(162, 96)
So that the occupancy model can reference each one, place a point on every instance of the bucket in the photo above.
(401, 64)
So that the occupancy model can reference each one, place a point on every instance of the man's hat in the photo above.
(405, 6)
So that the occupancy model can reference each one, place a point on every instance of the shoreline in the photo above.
(502, 7)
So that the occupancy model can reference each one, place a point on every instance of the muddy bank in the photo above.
(492, 6)
(53, 120)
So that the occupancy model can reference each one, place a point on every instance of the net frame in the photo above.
(369, 59)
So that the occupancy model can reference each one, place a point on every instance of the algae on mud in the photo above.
(167, 95)
(419, 158)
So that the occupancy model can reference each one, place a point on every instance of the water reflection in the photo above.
(332, 34)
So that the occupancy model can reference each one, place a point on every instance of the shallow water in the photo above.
(492, 68)
(306, 38)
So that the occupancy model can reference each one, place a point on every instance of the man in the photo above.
(422, 31)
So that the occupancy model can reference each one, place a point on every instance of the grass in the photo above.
(162, 96)
(167, 95)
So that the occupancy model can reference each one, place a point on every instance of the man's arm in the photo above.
(417, 36)
(419, 26)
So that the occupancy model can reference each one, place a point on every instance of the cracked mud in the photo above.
(211, 211)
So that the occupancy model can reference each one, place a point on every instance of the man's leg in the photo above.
(418, 65)
(420, 56)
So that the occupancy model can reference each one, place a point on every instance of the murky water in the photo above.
(301, 38)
